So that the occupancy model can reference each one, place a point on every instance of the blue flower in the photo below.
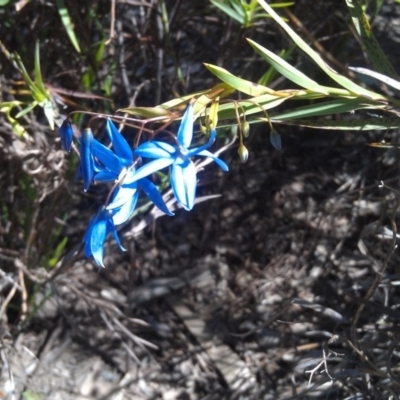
(183, 171)
(99, 228)
(66, 135)
(98, 162)
(126, 195)
(119, 168)
(119, 143)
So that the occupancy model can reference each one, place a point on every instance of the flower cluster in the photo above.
(117, 165)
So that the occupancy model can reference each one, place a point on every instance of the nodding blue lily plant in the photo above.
(117, 165)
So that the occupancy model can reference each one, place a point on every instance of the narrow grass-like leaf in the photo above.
(26, 110)
(282, 5)
(271, 73)
(371, 45)
(363, 124)
(380, 77)
(288, 71)
(66, 20)
(255, 106)
(228, 11)
(147, 112)
(36, 93)
(220, 90)
(242, 85)
(201, 104)
(53, 260)
(341, 80)
(38, 72)
(329, 107)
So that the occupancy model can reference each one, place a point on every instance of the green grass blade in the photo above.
(69, 27)
(242, 85)
(228, 11)
(380, 77)
(271, 73)
(38, 72)
(341, 80)
(255, 106)
(147, 112)
(327, 108)
(36, 93)
(371, 45)
(288, 71)
(363, 124)
(26, 110)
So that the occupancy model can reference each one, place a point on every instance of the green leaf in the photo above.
(380, 77)
(341, 80)
(253, 106)
(51, 262)
(288, 71)
(6, 108)
(363, 124)
(36, 92)
(371, 45)
(327, 108)
(26, 110)
(220, 90)
(66, 20)
(38, 72)
(228, 11)
(271, 72)
(148, 112)
(242, 85)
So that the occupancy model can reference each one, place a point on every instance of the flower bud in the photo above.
(243, 153)
(276, 140)
(245, 128)
(66, 134)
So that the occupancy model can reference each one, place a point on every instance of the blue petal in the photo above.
(96, 236)
(106, 156)
(122, 214)
(183, 183)
(66, 135)
(220, 163)
(197, 150)
(120, 145)
(154, 195)
(185, 132)
(122, 195)
(104, 175)
(112, 228)
(154, 150)
(151, 167)
(87, 162)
